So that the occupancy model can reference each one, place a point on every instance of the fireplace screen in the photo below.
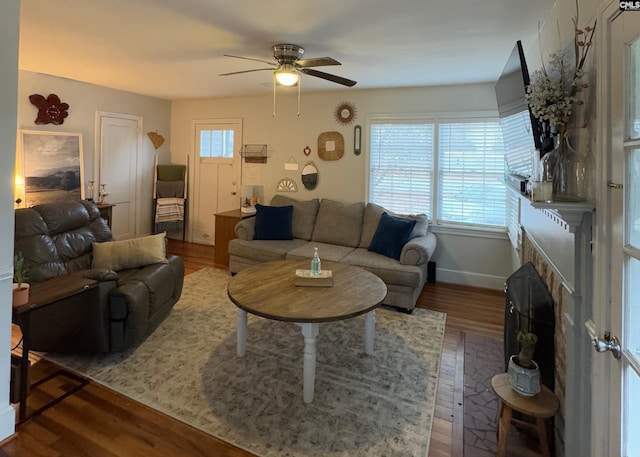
(529, 308)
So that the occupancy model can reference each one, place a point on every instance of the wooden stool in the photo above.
(542, 406)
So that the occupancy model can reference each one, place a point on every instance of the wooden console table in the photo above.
(42, 295)
(225, 225)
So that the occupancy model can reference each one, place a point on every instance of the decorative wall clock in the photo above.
(345, 113)
(50, 109)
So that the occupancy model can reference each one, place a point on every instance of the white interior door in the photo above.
(118, 170)
(616, 381)
(217, 146)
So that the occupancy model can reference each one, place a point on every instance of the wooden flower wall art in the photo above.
(50, 109)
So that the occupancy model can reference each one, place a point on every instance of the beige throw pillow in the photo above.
(134, 253)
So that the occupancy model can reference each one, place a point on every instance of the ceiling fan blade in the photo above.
(251, 58)
(317, 62)
(244, 71)
(328, 77)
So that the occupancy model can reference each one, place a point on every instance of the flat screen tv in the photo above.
(524, 136)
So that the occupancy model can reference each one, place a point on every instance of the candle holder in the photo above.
(90, 190)
(102, 194)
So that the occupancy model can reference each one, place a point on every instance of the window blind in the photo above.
(471, 173)
(518, 142)
(513, 220)
(401, 167)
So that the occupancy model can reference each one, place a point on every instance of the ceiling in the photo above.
(174, 49)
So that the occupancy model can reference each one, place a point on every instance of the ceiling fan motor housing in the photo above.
(287, 53)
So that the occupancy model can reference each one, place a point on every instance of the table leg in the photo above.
(504, 424)
(310, 333)
(242, 332)
(542, 432)
(369, 331)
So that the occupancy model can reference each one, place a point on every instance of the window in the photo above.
(452, 170)
(215, 144)
(401, 167)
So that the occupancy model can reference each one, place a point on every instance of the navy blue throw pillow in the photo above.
(391, 235)
(273, 222)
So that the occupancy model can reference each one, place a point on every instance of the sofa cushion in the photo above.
(331, 252)
(387, 269)
(263, 250)
(391, 235)
(339, 223)
(372, 214)
(304, 215)
(133, 253)
(273, 222)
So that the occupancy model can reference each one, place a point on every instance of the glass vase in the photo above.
(568, 173)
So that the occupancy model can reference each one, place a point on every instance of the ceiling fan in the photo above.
(290, 64)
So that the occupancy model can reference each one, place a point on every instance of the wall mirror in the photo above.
(309, 176)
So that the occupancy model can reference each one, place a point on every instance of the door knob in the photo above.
(610, 343)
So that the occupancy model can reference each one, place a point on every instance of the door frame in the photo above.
(603, 374)
(97, 163)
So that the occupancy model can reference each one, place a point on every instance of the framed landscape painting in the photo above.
(52, 166)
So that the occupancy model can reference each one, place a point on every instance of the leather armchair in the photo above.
(56, 240)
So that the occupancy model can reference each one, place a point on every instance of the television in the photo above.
(525, 137)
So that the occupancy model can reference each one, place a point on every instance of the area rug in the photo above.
(375, 406)
(483, 359)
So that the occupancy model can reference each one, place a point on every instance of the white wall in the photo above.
(9, 19)
(477, 261)
(84, 101)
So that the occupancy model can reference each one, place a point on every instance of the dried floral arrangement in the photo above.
(555, 89)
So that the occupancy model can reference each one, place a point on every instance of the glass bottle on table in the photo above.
(315, 263)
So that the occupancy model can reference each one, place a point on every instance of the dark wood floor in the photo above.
(96, 421)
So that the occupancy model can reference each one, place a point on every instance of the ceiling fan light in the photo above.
(287, 75)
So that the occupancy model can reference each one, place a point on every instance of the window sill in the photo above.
(497, 233)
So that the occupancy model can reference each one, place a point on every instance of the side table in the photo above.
(225, 225)
(541, 406)
(44, 295)
(106, 212)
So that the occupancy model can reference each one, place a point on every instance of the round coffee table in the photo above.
(269, 290)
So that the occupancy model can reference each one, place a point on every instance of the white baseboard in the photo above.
(470, 279)
(7, 421)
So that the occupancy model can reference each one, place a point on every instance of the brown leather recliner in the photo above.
(56, 239)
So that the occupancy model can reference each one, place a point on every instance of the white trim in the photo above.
(7, 421)
(470, 278)
(470, 231)
(600, 369)
(431, 117)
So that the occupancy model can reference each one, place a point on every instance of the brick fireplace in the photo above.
(557, 241)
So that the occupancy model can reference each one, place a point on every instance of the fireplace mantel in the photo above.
(568, 215)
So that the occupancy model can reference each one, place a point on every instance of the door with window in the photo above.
(217, 174)
(616, 381)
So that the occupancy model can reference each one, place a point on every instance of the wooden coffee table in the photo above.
(268, 290)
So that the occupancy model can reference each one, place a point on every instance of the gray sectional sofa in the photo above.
(342, 233)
